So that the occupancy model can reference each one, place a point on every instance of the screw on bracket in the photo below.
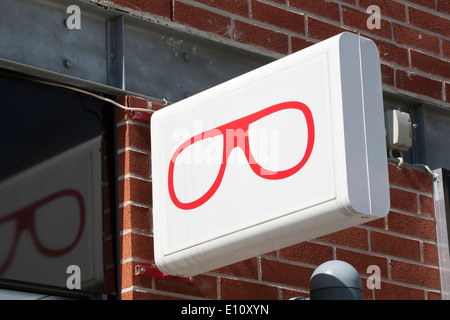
(187, 57)
(68, 63)
(141, 116)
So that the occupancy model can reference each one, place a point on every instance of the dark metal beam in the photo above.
(114, 51)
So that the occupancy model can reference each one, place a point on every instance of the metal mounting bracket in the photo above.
(153, 272)
(141, 116)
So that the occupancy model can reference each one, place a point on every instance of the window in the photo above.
(51, 217)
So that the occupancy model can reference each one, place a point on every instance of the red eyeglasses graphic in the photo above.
(230, 143)
(26, 221)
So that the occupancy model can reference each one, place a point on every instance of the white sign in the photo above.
(283, 154)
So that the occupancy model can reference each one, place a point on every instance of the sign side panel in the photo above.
(354, 129)
(158, 205)
(375, 128)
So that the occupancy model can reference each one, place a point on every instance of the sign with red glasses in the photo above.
(283, 154)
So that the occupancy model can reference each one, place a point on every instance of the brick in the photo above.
(298, 44)
(125, 246)
(392, 53)
(239, 7)
(133, 135)
(431, 295)
(426, 206)
(393, 291)
(414, 38)
(272, 253)
(259, 36)
(136, 190)
(377, 223)
(322, 30)
(428, 21)
(361, 261)
(204, 286)
(134, 217)
(425, 3)
(201, 19)
(415, 274)
(132, 162)
(322, 8)
(137, 246)
(128, 295)
(308, 252)
(142, 246)
(415, 83)
(443, 6)
(287, 294)
(403, 200)
(430, 64)
(354, 237)
(234, 289)
(392, 9)
(387, 74)
(430, 253)
(246, 269)
(446, 48)
(122, 114)
(285, 273)
(395, 245)
(278, 17)
(411, 225)
(410, 178)
(136, 102)
(357, 19)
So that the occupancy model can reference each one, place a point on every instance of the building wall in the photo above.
(414, 44)
(402, 245)
(413, 38)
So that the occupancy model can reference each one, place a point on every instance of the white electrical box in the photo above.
(398, 130)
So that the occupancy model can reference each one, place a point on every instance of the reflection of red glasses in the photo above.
(25, 218)
(229, 144)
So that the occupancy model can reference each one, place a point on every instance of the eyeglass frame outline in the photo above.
(242, 124)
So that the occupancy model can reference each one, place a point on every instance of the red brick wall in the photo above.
(414, 44)
(414, 38)
(402, 245)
